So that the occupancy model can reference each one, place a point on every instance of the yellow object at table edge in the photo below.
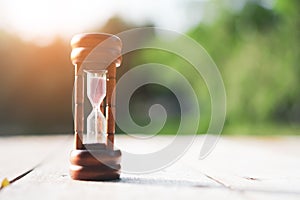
(4, 183)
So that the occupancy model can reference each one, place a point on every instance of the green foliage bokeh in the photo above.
(257, 50)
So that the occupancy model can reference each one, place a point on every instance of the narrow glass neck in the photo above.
(96, 107)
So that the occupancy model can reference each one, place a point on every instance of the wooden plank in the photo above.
(20, 153)
(238, 168)
(262, 166)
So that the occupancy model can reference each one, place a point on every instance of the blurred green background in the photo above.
(254, 43)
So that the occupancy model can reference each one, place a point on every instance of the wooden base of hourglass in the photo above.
(96, 163)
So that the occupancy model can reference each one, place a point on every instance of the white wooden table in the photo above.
(238, 168)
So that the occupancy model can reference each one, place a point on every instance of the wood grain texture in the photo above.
(20, 154)
(238, 168)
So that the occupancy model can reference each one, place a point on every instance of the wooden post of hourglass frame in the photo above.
(95, 161)
(78, 108)
(110, 105)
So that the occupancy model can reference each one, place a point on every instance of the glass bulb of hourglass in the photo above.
(96, 91)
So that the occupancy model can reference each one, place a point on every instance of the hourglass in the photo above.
(95, 57)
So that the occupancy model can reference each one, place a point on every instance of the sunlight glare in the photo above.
(42, 20)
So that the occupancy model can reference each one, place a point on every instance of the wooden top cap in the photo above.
(97, 48)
